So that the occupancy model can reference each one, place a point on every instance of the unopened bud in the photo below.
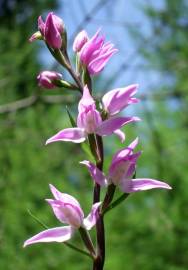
(54, 28)
(46, 78)
(36, 36)
(52, 31)
(80, 40)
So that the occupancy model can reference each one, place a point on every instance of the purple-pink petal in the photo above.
(64, 197)
(107, 127)
(95, 53)
(98, 63)
(116, 100)
(58, 23)
(58, 234)
(141, 184)
(120, 134)
(91, 219)
(86, 100)
(41, 25)
(89, 120)
(67, 212)
(123, 153)
(52, 35)
(96, 174)
(133, 101)
(90, 47)
(76, 135)
(45, 79)
(80, 40)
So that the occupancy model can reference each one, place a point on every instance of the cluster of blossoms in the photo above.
(92, 54)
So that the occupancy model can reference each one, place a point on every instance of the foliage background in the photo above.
(149, 231)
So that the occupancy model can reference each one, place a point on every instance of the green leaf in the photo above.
(72, 121)
(86, 149)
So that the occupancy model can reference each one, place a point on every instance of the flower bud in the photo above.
(46, 78)
(35, 36)
(80, 40)
(53, 31)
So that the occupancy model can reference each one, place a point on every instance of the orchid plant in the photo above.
(93, 122)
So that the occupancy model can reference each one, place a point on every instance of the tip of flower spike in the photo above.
(53, 189)
(136, 85)
(26, 243)
(49, 201)
(136, 119)
(85, 162)
(134, 143)
(47, 142)
(51, 186)
(36, 36)
(168, 186)
(50, 140)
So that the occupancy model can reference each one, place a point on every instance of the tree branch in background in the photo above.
(30, 101)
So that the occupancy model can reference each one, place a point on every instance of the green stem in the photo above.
(65, 84)
(87, 79)
(116, 202)
(63, 59)
(108, 197)
(76, 79)
(78, 249)
(36, 219)
(87, 241)
(94, 148)
(74, 75)
(99, 262)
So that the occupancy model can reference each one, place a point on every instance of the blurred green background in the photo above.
(149, 231)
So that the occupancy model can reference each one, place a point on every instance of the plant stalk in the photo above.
(87, 241)
(100, 231)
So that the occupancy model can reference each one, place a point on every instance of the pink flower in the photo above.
(89, 121)
(80, 40)
(121, 172)
(67, 210)
(116, 100)
(51, 30)
(45, 79)
(95, 53)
